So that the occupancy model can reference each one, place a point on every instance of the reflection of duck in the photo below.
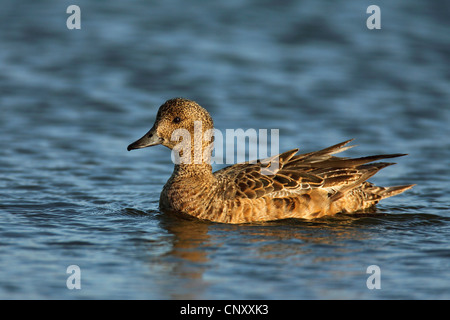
(307, 186)
(191, 235)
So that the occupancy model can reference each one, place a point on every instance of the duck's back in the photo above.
(307, 186)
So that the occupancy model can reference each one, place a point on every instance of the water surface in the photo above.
(72, 100)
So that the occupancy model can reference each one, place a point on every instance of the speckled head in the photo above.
(176, 118)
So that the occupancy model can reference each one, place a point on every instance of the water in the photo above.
(72, 100)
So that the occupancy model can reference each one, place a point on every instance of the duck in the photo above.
(284, 186)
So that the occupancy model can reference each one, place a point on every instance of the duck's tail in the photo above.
(379, 193)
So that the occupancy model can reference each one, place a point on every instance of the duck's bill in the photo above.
(148, 140)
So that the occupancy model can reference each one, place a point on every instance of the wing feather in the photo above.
(288, 173)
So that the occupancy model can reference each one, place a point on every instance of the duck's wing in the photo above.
(288, 174)
(266, 177)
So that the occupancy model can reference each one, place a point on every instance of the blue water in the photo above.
(72, 100)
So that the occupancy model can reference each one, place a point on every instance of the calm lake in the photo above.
(72, 100)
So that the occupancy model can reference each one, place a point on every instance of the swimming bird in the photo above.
(308, 186)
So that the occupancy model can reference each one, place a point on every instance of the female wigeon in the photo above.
(310, 185)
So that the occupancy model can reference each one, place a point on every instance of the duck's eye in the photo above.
(176, 120)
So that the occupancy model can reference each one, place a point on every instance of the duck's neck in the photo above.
(193, 170)
(193, 159)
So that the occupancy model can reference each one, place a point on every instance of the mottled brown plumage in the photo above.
(309, 185)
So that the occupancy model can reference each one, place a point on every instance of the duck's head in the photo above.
(177, 119)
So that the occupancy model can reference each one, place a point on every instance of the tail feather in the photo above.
(392, 191)
(373, 193)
